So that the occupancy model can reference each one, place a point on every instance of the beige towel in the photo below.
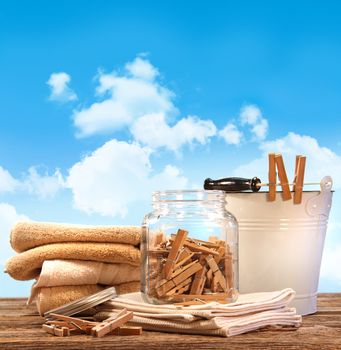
(27, 265)
(78, 272)
(27, 235)
(219, 326)
(49, 298)
(246, 303)
(250, 312)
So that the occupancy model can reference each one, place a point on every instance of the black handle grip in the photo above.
(233, 184)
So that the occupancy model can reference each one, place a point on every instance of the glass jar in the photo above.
(189, 249)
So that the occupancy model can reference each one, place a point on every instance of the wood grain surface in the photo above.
(20, 328)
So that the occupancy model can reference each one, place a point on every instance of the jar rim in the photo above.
(184, 195)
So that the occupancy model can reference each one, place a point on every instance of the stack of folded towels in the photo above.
(72, 261)
(249, 312)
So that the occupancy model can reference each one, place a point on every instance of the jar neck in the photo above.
(189, 201)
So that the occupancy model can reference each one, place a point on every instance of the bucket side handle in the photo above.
(321, 204)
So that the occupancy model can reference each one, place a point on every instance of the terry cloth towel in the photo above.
(27, 265)
(78, 272)
(27, 235)
(250, 312)
(49, 298)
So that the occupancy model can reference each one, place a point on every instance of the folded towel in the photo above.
(250, 312)
(78, 272)
(128, 287)
(48, 298)
(27, 235)
(27, 265)
(220, 326)
(246, 303)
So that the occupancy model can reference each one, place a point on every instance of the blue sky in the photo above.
(79, 82)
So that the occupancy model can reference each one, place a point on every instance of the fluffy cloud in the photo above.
(60, 90)
(251, 115)
(117, 175)
(8, 217)
(35, 182)
(141, 68)
(321, 161)
(126, 98)
(7, 182)
(153, 130)
(231, 134)
(43, 185)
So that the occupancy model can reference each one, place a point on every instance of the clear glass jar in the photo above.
(189, 249)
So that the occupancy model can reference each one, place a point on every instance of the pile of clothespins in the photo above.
(184, 269)
(63, 326)
(276, 160)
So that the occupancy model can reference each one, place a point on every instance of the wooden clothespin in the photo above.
(180, 288)
(183, 258)
(177, 277)
(283, 177)
(176, 246)
(125, 330)
(199, 281)
(112, 323)
(83, 324)
(220, 297)
(272, 177)
(56, 330)
(216, 272)
(299, 178)
(200, 248)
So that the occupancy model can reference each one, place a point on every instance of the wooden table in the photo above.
(20, 328)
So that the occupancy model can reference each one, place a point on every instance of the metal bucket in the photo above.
(281, 243)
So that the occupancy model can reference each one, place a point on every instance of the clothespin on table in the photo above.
(283, 178)
(112, 323)
(299, 178)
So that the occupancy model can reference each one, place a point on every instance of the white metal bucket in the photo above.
(281, 243)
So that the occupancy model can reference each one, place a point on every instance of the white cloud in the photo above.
(8, 217)
(153, 130)
(127, 97)
(116, 175)
(39, 184)
(141, 68)
(60, 90)
(231, 134)
(251, 115)
(7, 182)
(43, 185)
(321, 161)
(260, 130)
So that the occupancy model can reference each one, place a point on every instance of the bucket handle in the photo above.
(321, 204)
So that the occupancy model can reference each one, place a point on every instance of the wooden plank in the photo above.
(20, 329)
